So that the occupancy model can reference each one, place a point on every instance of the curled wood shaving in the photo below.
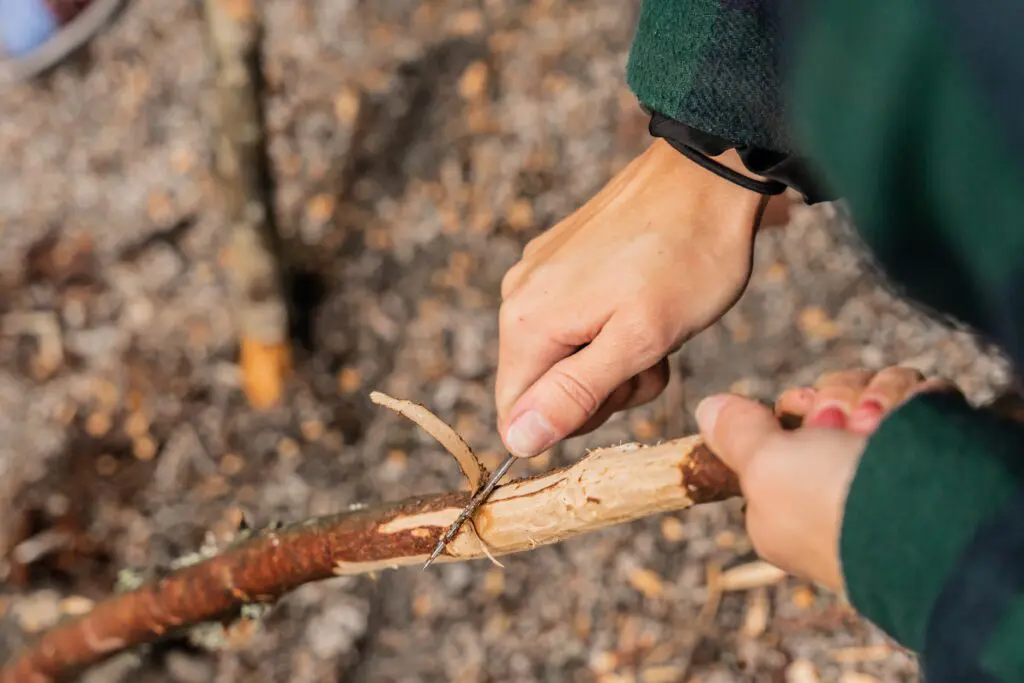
(453, 443)
(483, 544)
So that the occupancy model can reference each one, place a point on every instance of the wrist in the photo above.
(733, 209)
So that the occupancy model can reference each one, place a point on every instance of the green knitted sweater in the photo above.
(912, 111)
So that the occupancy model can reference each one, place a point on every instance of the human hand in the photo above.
(795, 482)
(598, 301)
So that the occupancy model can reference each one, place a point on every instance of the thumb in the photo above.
(735, 427)
(572, 391)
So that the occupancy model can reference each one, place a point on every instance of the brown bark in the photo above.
(609, 486)
(255, 281)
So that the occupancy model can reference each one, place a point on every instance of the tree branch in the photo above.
(609, 486)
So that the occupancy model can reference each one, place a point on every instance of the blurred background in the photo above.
(415, 147)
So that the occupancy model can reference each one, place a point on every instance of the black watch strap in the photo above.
(781, 169)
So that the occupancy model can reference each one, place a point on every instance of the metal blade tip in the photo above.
(434, 555)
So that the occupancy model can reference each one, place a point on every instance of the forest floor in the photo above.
(416, 147)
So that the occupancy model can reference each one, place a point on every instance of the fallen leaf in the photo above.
(349, 380)
(866, 653)
(663, 674)
(105, 392)
(320, 208)
(803, 597)
(239, 10)
(603, 662)
(801, 671)
(673, 530)
(473, 82)
(287, 448)
(520, 215)
(264, 370)
(346, 105)
(856, 677)
(422, 605)
(751, 575)
(755, 621)
(466, 23)
(144, 448)
(617, 677)
(98, 424)
(713, 576)
(815, 323)
(643, 428)
(312, 430)
(136, 425)
(725, 539)
(647, 582)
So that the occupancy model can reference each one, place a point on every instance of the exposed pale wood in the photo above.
(609, 486)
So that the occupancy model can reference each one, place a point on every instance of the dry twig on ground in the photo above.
(255, 280)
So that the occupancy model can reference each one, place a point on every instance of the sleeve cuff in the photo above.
(780, 168)
(934, 472)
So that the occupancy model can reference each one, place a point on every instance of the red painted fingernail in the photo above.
(869, 409)
(867, 416)
(830, 416)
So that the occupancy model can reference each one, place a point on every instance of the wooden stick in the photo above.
(255, 281)
(609, 486)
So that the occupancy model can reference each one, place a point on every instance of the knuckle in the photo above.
(576, 390)
(757, 478)
(510, 280)
(898, 374)
(511, 314)
(646, 337)
(535, 243)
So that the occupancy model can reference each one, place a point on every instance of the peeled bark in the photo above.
(609, 486)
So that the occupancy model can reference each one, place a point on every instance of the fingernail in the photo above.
(530, 434)
(707, 413)
(866, 417)
(830, 416)
(868, 409)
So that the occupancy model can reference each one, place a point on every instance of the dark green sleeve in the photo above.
(712, 64)
(911, 132)
(708, 73)
(932, 544)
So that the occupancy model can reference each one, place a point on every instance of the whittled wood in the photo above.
(609, 486)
